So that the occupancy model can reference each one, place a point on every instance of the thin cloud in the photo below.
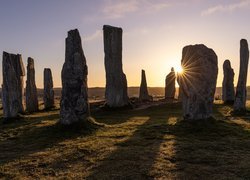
(94, 36)
(119, 8)
(226, 8)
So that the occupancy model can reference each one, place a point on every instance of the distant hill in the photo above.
(99, 92)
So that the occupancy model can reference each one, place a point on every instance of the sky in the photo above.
(154, 33)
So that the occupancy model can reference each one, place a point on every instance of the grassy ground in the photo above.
(145, 144)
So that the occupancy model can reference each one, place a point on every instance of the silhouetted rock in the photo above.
(48, 96)
(74, 101)
(241, 91)
(198, 81)
(228, 83)
(12, 88)
(31, 91)
(144, 96)
(170, 85)
(116, 82)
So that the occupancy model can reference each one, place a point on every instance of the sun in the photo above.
(178, 69)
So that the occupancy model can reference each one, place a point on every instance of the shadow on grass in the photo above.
(212, 149)
(35, 134)
(135, 157)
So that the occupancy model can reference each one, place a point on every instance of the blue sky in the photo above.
(154, 33)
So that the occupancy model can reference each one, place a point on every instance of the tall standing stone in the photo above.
(198, 81)
(116, 83)
(144, 96)
(241, 90)
(170, 85)
(12, 88)
(48, 92)
(74, 101)
(31, 90)
(228, 83)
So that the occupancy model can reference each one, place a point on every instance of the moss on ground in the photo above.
(153, 143)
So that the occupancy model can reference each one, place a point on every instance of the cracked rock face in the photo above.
(48, 92)
(228, 83)
(170, 85)
(116, 82)
(143, 95)
(74, 101)
(198, 81)
(241, 90)
(12, 88)
(31, 90)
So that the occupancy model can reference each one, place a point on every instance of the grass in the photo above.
(153, 143)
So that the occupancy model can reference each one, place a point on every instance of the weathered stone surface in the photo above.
(12, 88)
(116, 82)
(198, 81)
(48, 92)
(143, 95)
(241, 91)
(31, 90)
(228, 83)
(170, 85)
(74, 100)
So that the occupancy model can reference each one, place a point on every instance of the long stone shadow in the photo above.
(211, 149)
(135, 157)
(35, 135)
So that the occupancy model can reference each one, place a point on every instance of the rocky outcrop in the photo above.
(48, 95)
(31, 90)
(170, 85)
(12, 87)
(198, 81)
(116, 83)
(228, 83)
(241, 91)
(143, 95)
(74, 101)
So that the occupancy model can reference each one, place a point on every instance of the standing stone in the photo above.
(31, 91)
(170, 85)
(241, 90)
(228, 83)
(74, 101)
(143, 96)
(116, 83)
(198, 81)
(48, 96)
(12, 88)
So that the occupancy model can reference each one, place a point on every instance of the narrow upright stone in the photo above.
(31, 91)
(74, 101)
(12, 87)
(228, 83)
(198, 81)
(241, 90)
(170, 85)
(48, 96)
(116, 83)
(144, 96)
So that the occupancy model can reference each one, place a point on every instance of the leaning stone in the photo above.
(198, 81)
(12, 87)
(241, 90)
(170, 85)
(228, 83)
(144, 96)
(74, 106)
(48, 95)
(31, 90)
(116, 83)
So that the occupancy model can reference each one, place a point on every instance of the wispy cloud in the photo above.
(226, 8)
(97, 34)
(115, 9)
